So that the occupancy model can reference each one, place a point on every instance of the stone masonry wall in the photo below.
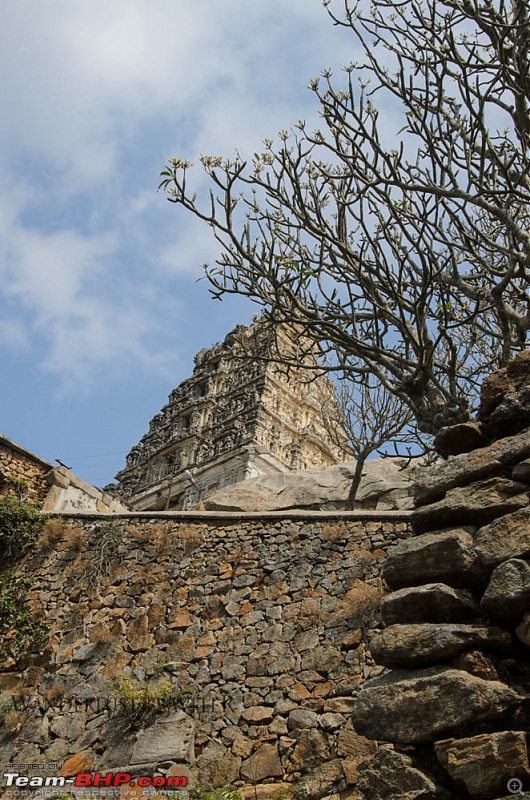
(453, 712)
(264, 617)
(21, 465)
(50, 488)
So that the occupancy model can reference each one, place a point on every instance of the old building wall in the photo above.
(265, 618)
(19, 464)
(27, 476)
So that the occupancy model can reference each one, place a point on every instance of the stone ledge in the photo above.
(369, 515)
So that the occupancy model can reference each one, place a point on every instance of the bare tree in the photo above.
(361, 419)
(404, 251)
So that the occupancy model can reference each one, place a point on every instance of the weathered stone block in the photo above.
(484, 764)
(217, 766)
(429, 643)
(462, 438)
(432, 602)
(507, 537)
(323, 658)
(391, 776)
(508, 594)
(168, 739)
(476, 504)
(414, 707)
(264, 763)
(445, 557)
(311, 749)
(258, 714)
(300, 718)
(434, 481)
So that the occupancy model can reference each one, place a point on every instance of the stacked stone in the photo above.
(453, 709)
(264, 618)
(21, 465)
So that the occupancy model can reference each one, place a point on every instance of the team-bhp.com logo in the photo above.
(96, 779)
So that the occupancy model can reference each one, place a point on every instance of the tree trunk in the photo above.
(357, 475)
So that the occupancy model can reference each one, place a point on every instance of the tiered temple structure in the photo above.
(239, 416)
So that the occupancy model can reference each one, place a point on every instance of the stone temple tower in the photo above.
(239, 416)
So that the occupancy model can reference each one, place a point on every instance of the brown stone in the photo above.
(477, 504)
(217, 766)
(138, 636)
(310, 749)
(505, 538)
(354, 746)
(264, 763)
(434, 481)
(324, 782)
(476, 663)
(461, 438)
(299, 692)
(443, 557)
(432, 602)
(429, 643)
(415, 707)
(505, 397)
(484, 764)
(258, 714)
(392, 776)
(81, 762)
(268, 791)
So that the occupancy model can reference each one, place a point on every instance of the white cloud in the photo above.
(96, 94)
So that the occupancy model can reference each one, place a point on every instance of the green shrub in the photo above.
(19, 632)
(139, 701)
(20, 525)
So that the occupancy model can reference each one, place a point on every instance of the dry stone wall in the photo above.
(454, 708)
(264, 618)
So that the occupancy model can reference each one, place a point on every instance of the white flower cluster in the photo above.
(180, 163)
(210, 162)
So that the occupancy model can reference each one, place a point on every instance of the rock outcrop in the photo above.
(457, 634)
(386, 484)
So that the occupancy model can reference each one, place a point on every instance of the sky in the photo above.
(101, 309)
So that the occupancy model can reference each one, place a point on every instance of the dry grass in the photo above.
(100, 634)
(53, 532)
(188, 537)
(57, 692)
(74, 539)
(361, 601)
(12, 721)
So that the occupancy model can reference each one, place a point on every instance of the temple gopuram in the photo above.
(239, 416)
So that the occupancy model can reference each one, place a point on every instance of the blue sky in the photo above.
(100, 309)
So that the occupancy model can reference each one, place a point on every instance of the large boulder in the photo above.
(431, 643)
(477, 504)
(432, 602)
(485, 764)
(384, 485)
(419, 706)
(505, 397)
(460, 438)
(433, 482)
(508, 594)
(392, 776)
(505, 538)
(442, 557)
